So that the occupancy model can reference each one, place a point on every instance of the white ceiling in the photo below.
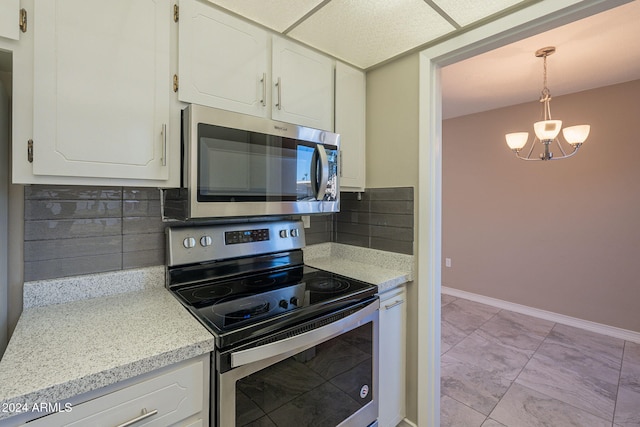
(367, 32)
(597, 51)
(600, 50)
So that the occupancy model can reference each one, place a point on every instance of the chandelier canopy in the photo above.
(547, 130)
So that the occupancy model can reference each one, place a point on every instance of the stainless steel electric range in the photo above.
(295, 346)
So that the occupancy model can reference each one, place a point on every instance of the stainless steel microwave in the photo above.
(236, 165)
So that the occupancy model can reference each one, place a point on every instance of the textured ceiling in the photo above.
(596, 51)
(600, 50)
(365, 33)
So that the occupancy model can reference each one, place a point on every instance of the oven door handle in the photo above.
(304, 340)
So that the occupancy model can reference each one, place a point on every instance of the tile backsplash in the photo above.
(379, 218)
(73, 230)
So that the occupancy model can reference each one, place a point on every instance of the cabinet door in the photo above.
(350, 124)
(302, 85)
(392, 357)
(101, 88)
(174, 398)
(222, 61)
(9, 18)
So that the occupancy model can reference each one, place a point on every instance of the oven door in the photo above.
(327, 376)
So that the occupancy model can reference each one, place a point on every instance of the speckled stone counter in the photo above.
(62, 350)
(387, 270)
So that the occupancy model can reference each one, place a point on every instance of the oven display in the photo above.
(246, 236)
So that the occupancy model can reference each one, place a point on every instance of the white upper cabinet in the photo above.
(102, 85)
(351, 125)
(223, 61)
(228, 63)
(302, 85)
(9, 19)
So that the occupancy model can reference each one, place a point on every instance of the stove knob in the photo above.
(283, 304)
(283, 233)
(294, 232)
(205, 241)
(294, 300)
(189, 242)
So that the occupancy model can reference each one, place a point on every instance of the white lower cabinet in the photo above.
(175, 397)
(392, 357)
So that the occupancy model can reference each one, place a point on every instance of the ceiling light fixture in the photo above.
(547, 130)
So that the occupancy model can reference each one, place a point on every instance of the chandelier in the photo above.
(547, 130)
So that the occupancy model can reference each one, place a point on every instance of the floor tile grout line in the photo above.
(536, 351)
(615, 402)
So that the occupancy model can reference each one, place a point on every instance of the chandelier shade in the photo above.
(547, 130)
(517, 140)
(576, 134)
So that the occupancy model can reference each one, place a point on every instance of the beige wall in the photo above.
(561, 236)
(392, 161)
(392, 124)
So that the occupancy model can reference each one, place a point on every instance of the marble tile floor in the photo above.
(501, 368)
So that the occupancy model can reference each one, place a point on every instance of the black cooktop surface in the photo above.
(248, 306)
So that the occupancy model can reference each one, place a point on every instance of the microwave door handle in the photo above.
(321, 175)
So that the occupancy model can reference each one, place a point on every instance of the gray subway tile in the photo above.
(392, 220)
(392, 245)
(66, 228)
(353, 239)
(71, 192)
(51, 269)
(354, 196)
(396, 193)
(59, 249)
(357, 217)
(131, 193)
(392, 207)
(69, 209)
(392, 233)
(353, 228)
(143, 242)
(142, 225)
(137, 208)
(315, 238)
(354, 205)
(139, 259)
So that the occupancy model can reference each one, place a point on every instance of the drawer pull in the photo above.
(143, 416)
(390, 306)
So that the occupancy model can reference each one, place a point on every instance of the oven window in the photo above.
(321, 386)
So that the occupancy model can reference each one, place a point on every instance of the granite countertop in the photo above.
(387, 270)
(81, 342)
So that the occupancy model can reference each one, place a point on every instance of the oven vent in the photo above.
(307, 327)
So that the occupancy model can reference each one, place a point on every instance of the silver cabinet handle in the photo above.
(263, 101)
(279, 86)
(143, 416)
(390, 306)
(164, 144)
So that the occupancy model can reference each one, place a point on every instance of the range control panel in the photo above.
(187, 245)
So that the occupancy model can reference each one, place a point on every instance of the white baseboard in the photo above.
(599, 328)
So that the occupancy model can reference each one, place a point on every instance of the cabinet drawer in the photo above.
(166, 399)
